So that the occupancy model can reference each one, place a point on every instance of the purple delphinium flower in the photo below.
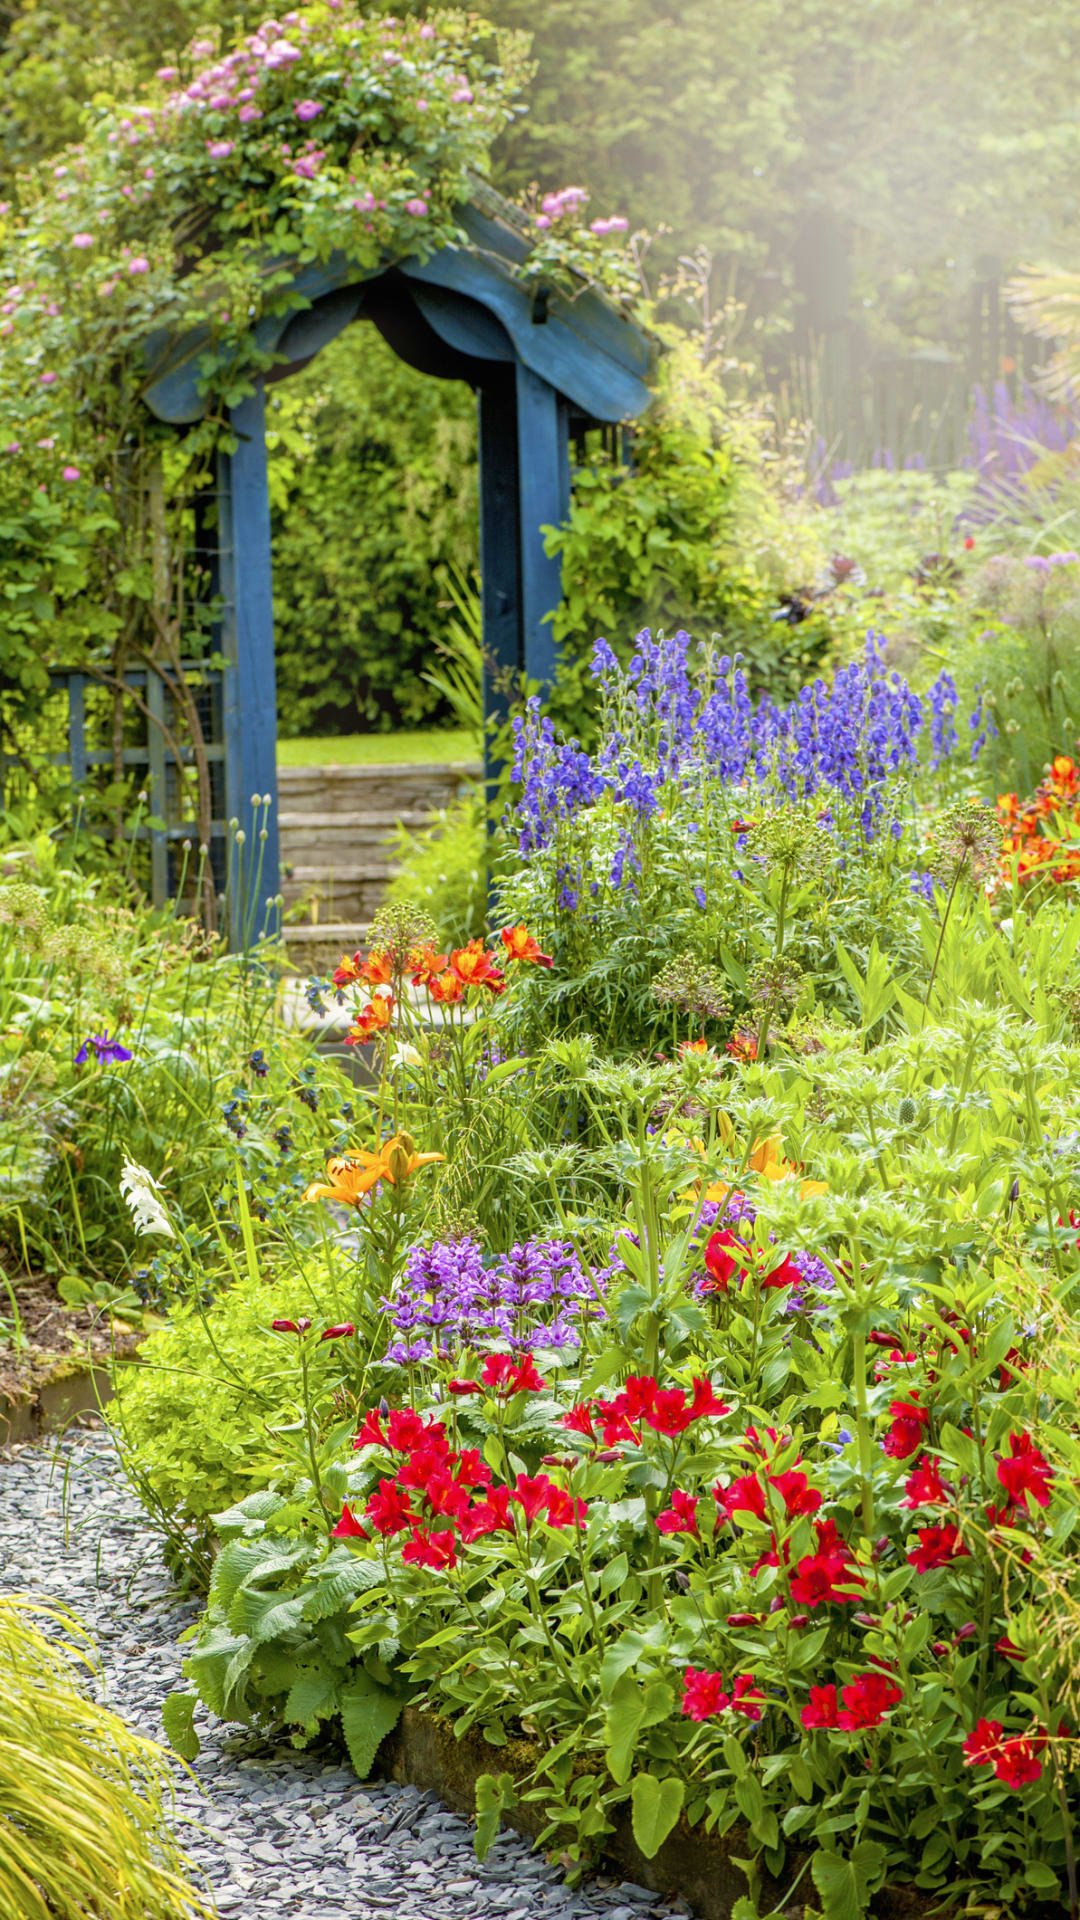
(104, 1048)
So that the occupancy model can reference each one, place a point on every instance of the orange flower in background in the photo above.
(1041, 855)
(447, 989)
(520, 945)
(475, 967)
(352, 1175)
(427, 965)
(767, 1161)
(347, 970)
(742, 1045)
(374, 1019)
(377, 970)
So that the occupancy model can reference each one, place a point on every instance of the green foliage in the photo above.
(374, 487)
(84, 1829)
(691, 534)
(444, 868)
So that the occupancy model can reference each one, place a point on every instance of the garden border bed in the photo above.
(423, 1751)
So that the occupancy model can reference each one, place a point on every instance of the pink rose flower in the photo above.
(139, 264)
(307, 109)
(219, 149)
(416, 207)
(247, 114)
(70, 473)
(82, 240)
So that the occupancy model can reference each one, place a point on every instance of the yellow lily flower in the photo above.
(352, 1175)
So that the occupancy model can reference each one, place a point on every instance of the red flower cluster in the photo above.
(827, 1574)
(867, 1699)
(726, 1254)
(937, 1547)
(747, 1494)
(667, 1410)
(436, 1482)
(908, 1429)
(1015, 1761)
(1024, 1470)
(704, 1695)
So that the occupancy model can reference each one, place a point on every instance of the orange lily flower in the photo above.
(352, 1175)
(767, 1160)
(520, 945)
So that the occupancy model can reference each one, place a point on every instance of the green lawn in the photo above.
(379, 749)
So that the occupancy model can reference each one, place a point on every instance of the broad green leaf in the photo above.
(495, 1795)
(655, 1806)
(845, 1884)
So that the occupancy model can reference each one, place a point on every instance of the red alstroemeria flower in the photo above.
(472, 1469)
(867, 1699)
(445, 1496)
(637, 1398)
(924, 1487)
(726, 1254)
(579, 1420)
(348, 1527)
(909, 1423)
(406, 1429)
(531, 1495)
(703, 1694)
(1017, 1764)
(823, 1709)
(520, 945)
(463, 1386)
(487, 1516)
(982, 1747)
(681, 1516)
(563, 1510)
(745, 1495)
(340, 1332)
(705, 1402)
(797, 1494)
(438, 1550)
(509, 1376)
(1025, 1470)
(747, 1697)
(937, 1547)
(389, 1510)
(423, 1463)
(821, 1577)
(670, 1412)
(371, 1433)
(427, 965)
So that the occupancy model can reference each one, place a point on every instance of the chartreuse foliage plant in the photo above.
(84, 1801)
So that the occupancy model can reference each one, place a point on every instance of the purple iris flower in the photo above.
(105, 1049)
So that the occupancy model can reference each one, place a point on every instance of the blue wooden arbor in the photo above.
(544, 368)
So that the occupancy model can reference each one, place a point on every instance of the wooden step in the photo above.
(387, 790)
(296, 820)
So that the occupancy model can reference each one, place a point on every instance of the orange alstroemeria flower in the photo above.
(377, 970)
(475, 967)
(374, 1019)
(347, 970)
(447, 989)
(520, 945)
(352, 1175)
(427, 965)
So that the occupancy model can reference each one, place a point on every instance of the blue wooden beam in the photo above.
(543, 500)
(250, 697)
(500, 542)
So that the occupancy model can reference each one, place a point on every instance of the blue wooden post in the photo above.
(249, 694)
(543, 500)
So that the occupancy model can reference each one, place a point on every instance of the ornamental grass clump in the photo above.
(84, 1801)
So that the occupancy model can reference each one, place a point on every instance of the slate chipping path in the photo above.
(284, 1836)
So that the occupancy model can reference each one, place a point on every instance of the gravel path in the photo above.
(283, 1836)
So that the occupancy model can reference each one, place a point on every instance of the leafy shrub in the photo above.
(444, 868)
(83, 1799)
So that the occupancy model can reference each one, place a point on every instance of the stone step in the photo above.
(388, 790)
(296, 820)
(317, 950)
